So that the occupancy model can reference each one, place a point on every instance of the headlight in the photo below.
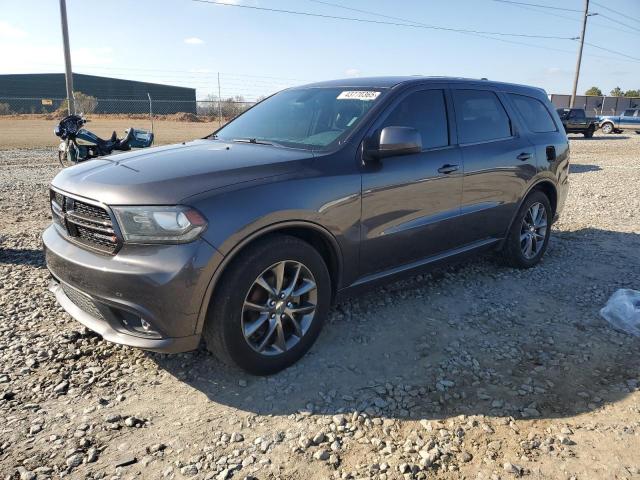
(177, 224)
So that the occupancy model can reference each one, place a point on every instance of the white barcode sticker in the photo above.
(358, 95)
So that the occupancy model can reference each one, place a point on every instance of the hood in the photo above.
(166, 175)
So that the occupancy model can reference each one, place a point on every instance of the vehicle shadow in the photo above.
(478, 338)
(14, 256)
(581, 168)
(598, 137)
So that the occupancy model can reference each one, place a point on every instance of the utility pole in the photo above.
(68, 74)
(579, 61)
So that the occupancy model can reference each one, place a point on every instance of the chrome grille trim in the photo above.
(85, 223)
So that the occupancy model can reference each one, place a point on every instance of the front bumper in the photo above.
(164, 285)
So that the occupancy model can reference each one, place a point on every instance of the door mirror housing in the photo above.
(396, 141)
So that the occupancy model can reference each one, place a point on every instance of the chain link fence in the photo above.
(597, 105)
(221, 110)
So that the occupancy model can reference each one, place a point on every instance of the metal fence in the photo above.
(597, 105)
(219, 109)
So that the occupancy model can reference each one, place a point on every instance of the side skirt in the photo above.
(379, 278)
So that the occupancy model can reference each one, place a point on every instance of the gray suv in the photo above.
(243, 239)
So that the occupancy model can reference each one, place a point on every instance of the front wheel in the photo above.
(607, 128)
(270, 306)
(589, 132)
(529, 234)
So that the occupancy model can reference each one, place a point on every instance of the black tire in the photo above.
(513, 248)
(223, 331)
(589, 132)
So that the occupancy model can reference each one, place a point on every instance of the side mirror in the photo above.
(397, 141)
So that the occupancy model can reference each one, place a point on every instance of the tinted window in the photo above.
(480, 116)
(577, 114)
(426, 112)
(629, 113)
(535, 115)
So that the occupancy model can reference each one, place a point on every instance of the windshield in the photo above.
(310, 118)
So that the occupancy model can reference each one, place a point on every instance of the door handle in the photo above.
(524, 156)
(448, 168)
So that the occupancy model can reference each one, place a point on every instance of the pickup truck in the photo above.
(575, 120)
(629, 120)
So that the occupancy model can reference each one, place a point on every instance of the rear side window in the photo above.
(480, 116)
(425, 111)
(629, 113)
(535, 114)
(579, 114)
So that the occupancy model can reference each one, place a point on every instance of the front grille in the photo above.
(86, 224)
(82, 301)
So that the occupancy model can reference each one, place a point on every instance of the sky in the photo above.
(187, 42)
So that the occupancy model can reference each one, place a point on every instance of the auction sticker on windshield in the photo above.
(358, 95)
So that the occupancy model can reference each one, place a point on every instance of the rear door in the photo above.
(499, 160)
(411, 203)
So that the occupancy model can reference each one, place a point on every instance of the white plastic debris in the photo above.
(622, 311)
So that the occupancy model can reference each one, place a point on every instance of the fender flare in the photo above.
(231, 255)
(531, 187)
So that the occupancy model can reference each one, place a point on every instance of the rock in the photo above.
(74, 460)
(132, 421)
(318, 438)
(466, 457)
(224, 474)
(92, 455)
(112, 418)
(511, 468)
(125, 461)
(190, 470)
(26, 474)
(321, 454)
(61, 387)
(237, 437)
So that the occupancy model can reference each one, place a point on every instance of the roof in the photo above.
(393, 81)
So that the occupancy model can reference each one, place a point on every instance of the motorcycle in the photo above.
(79, 144)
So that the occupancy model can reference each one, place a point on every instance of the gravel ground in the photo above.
(477, 371)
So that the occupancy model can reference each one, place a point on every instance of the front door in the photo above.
(410, 203)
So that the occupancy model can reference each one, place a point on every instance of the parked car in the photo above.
(575, 120)
(245, 238)
(629, 120)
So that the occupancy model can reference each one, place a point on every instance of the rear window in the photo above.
(480, 116)
(535, 114)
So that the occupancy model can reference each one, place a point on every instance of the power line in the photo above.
(625, 15)
(539, 5)
(565, 17)
(618, 22)
(379, 22)
(637, 59)
(515, 42)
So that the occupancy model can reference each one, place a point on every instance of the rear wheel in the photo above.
(607, 128)
(529, 235)
(270, 306)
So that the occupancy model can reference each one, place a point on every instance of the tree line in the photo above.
(616, 92)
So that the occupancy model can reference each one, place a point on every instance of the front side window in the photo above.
(308, 118)
(425, 111)
(577, 114)
(535, 114)
(480, 116)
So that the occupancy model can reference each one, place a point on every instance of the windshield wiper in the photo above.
(252, 140)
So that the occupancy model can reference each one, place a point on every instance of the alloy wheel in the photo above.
(533, 230)
(279, 307)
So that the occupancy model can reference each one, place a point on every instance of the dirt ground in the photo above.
(16, 132)
(478, 371)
